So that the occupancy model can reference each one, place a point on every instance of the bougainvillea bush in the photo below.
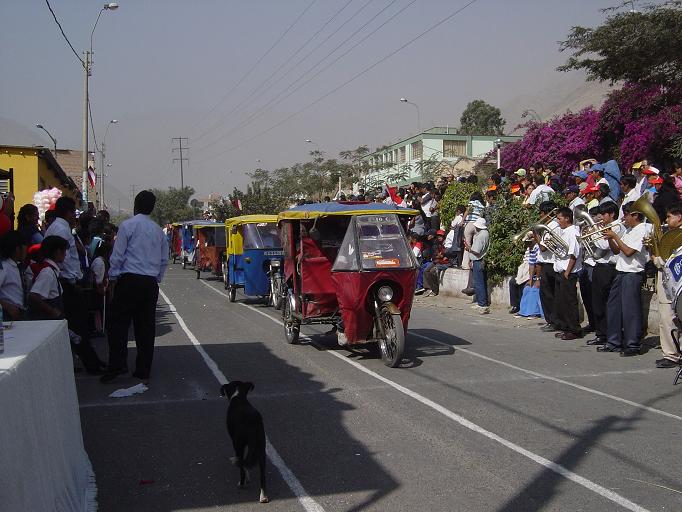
(635, 122)
(563, 141)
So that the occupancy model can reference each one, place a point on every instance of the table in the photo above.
(43, 464)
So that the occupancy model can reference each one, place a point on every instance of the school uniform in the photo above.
(547, 279)
(624, 307)
(11, 283)
(137, 265)
(602, 279)
(566, 292)
(47, 286)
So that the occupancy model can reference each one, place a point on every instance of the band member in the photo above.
(671, 350)
(585, 282)
(567, 267)
(603, 274)
(624, 307)
(629, 185)
(544, 271)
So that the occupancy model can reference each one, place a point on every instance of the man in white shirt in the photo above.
(137, 266)
(12, 250)
(567, 267)
(541, 193)
(624, 307)
(603, 274)
(629, 185)
(544, 272)
(74, 298)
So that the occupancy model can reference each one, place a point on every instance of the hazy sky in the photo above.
(160, 66)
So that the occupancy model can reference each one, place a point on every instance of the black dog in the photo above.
(245, 426)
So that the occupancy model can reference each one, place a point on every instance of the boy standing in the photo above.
(567, 267)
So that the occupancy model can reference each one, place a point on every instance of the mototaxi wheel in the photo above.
(392, 345)
(280, 292)
(292, 329)
(226, 276)
(232, 293)
(198, 273)
(184, 263)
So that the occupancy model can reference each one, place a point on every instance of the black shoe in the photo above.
(589, 328)
(108, 377)
(514, 310)
(608, 348)
(548, 328)
(468, 291)
(630, 352)
(559, 334)
(666, 363)
(596, 341)
(94, 371)
(568, 336)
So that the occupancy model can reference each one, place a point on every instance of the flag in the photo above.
(237, 204)
(92, 177)
(393, 194)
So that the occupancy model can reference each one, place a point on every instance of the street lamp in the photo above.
(419, 123)
(54, 141)
(87, 71)
(498, 145)
(102, 156)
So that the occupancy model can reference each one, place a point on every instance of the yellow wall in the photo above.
(24, 161)
(31, 174)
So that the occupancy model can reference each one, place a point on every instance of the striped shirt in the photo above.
(475, 209)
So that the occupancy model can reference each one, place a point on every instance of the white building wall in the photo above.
(481, 147)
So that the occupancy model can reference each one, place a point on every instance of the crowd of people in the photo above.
(66, 266)
(609, 270)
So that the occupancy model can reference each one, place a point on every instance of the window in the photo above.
(403, 152)
(417, 150)
(454, 148)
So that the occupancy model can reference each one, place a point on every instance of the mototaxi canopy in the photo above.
(316, 210)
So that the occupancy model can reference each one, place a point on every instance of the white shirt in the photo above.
(47, 283)
(576, 202)
(71, 266)
(459, 219)
(633, 238)
(98, 269)
(541, 191)
(603, 180)
(631, 196)
(140, 248)
(570, 236)
(426, 207)
(547, 256)
(11, 287)
(608, 256)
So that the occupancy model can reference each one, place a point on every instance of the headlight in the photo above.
(275, 263)
(385, 294)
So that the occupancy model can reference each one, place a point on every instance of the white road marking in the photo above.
(552, 466)
(555, 379)
(308, 503)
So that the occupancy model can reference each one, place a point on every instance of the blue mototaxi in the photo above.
(189, 243)
(254, 258)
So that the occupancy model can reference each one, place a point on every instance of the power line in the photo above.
(63, 34)
(350, 80)
(181, 159)
(239, 106)
(264, 108)
(252, 68)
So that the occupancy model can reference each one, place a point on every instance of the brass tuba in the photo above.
(653, 241)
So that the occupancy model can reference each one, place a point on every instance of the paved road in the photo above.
(487, 414)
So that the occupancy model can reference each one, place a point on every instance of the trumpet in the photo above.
(596, 233)
(526, 233)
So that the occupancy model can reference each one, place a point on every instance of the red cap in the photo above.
(649, 171)
(440, 232)
(655, 180)
(515, 188)
(491, 188)
(589, 190)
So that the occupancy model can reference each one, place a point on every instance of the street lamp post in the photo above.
(54, 141)
(111, 6)
(498, 145)
(419, 123)
(102, 156)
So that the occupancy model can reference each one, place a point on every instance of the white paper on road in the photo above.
(123, 392)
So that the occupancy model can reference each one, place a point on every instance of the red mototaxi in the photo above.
(349, 265)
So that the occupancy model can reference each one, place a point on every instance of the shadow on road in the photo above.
(170, 454)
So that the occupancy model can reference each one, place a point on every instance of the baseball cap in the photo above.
(597, 167)
(491, 188)
(579, 174)
(573, 188)
(637, 165)
(590, 190)
(655, 180)
(651, 170)
(515, 188)
(520, 172)
(440, 232)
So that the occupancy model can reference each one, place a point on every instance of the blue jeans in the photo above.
(480, 284)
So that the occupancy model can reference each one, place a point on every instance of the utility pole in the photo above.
(86, 75)
(182, 159)
(132, 193)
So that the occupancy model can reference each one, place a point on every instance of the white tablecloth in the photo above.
(43, 464)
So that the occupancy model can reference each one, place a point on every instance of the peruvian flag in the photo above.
(393, 194)
(92, 177)
(237, 204)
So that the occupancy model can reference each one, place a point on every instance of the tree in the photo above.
(632, 46)
(481, 118)
(172, 205)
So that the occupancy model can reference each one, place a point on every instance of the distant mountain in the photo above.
(569, 91)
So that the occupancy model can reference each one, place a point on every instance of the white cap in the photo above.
(480, 223)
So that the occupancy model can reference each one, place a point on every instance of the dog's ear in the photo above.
(227, 390)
